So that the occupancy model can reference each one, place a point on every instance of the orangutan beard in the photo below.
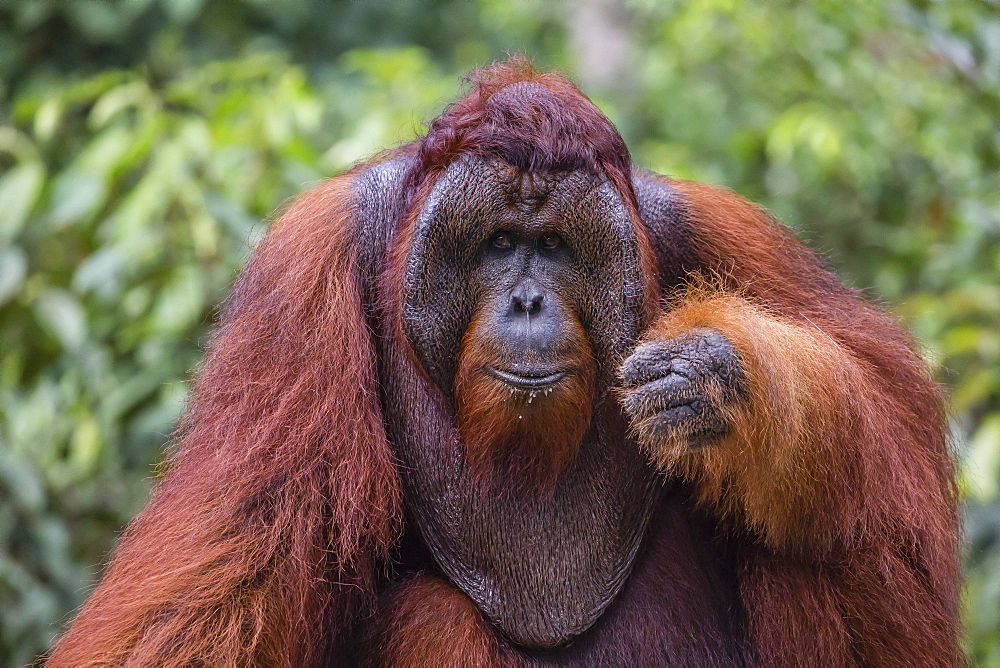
(519, 438)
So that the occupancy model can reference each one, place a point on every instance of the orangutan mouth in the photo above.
(529, 382)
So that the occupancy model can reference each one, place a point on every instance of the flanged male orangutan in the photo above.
(499, 397)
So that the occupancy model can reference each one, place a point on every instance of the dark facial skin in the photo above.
(455, 273)
(528, 321)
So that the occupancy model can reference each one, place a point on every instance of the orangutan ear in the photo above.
(262, 541)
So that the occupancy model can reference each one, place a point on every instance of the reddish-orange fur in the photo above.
(426, 621)
(512, 437)
(837, 456)
(579, 136)
(259, 545)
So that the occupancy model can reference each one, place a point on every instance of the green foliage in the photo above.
(142, 143)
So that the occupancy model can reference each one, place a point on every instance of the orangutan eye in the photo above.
(502, 241)
(551, 241)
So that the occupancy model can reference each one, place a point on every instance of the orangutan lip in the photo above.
(528, 382)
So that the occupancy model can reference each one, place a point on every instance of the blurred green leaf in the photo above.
(13, 269)
(984, 458)
(77, 194)
(19, 190)
(63, 316)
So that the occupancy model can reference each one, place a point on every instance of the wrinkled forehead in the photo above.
(475, 198)
(534, 200)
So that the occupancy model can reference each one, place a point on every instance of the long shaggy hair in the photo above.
(262, 541)
(558, 130)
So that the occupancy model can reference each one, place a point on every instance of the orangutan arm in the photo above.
(261, 542)
(801, 414)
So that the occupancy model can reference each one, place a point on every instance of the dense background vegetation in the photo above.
(142, 142)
